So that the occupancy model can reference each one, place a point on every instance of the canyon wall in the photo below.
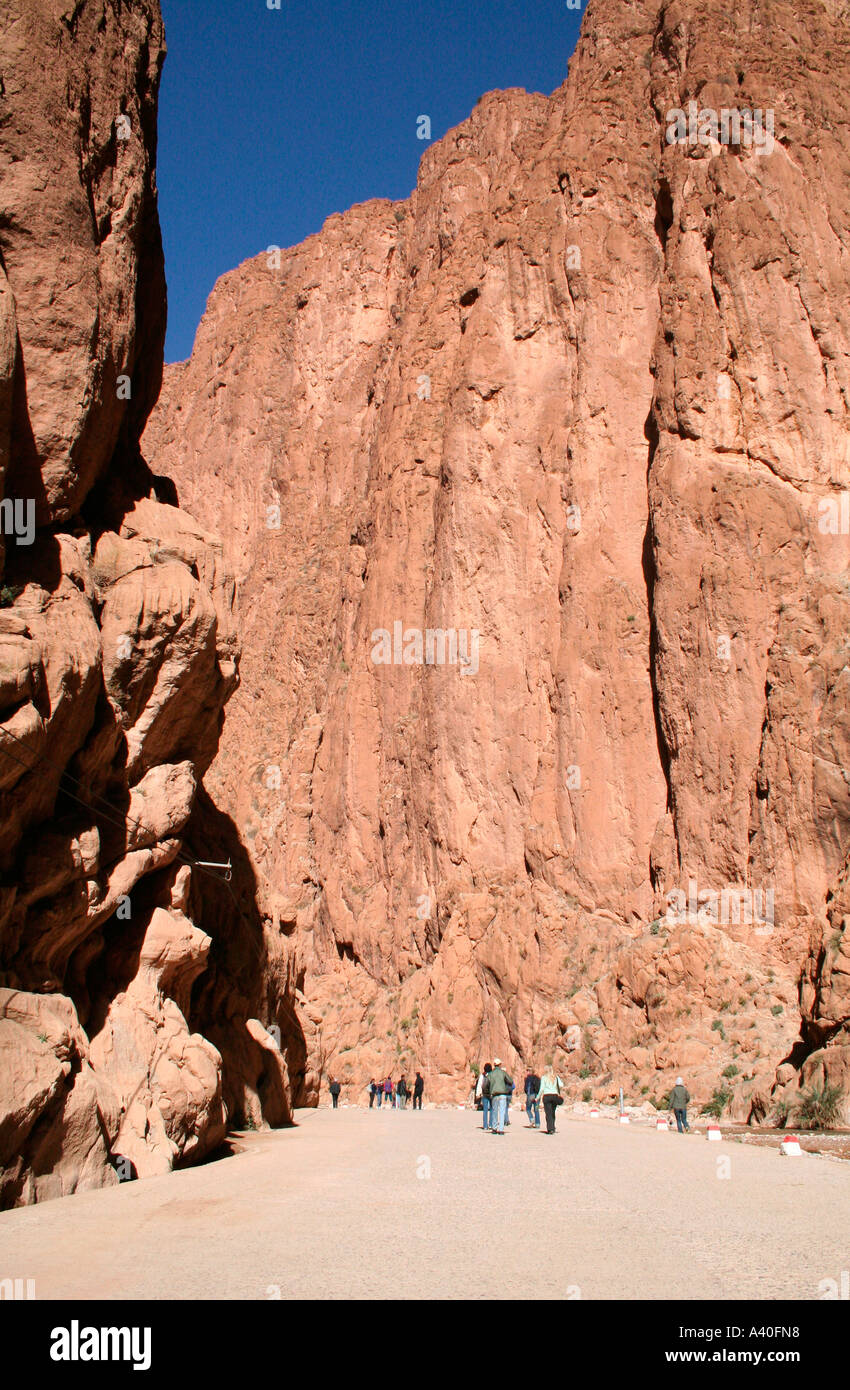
(118, 648)
(527, 501)
(580, 407)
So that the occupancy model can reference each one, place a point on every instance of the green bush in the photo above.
(731, 1070)
(820, 1107)
(776, 1010)
(718, 1104)
(586, 1093)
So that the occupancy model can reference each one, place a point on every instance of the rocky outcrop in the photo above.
(118, 647)
(57, 1118)
(580, 406)
(78, 150)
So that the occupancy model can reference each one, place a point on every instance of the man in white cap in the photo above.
(500, 1088)
(679, 1098)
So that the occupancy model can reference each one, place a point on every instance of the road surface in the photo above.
(376, 1204)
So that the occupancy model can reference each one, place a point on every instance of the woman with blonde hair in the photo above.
(550, 1094)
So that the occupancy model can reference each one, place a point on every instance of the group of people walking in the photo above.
(495, 1088)
(388, 1092)
(397, 1095)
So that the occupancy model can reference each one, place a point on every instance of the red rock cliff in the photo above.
(585, 395)
(117, 641)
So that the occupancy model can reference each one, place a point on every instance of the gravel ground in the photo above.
(342, 1206)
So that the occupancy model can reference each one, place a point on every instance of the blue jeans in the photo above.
(681, 1120)
(529, 1103)
(485, 1110)
(500, 1106)
(380, 1096)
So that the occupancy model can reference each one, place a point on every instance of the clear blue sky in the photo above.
(270, 120)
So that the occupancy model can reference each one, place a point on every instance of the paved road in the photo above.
(341, 1207)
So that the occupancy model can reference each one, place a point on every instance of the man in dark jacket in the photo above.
(679, 1099)
(334, 1088)
(418, 1088)
(532, 1104)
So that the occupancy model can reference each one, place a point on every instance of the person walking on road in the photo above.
(500, 1089)
(532, 1104)
(418, 1088)
(550, 1094)
(334, 1088)
(401, 1092)
(508, 1098)
(373, 1091)
(679, 1099)
(388, 1091)
(484, 1091)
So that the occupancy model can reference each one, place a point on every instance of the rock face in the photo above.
(580, 407)
(118, 647)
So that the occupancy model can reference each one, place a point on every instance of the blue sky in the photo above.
(270, 120)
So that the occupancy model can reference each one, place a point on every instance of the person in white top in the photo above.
(550, 1094)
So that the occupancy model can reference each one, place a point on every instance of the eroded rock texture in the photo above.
(118, 647)
(585, 394)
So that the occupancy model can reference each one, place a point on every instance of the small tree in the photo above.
(719, 1103)
(820, 1107)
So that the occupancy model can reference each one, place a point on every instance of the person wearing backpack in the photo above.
(484, 1084)
(532, 1104)
(550, 1094)
(500, 1089)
